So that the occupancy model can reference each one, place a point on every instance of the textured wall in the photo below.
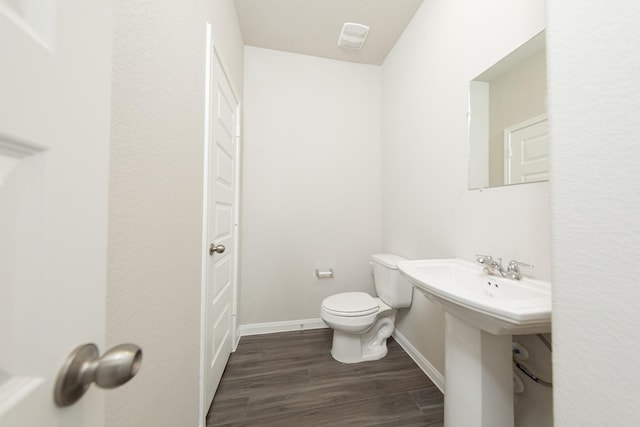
(594, 101)
(427, 210)
(155, 201)
(311, 182)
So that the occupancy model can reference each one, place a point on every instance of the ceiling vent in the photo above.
(353, 35)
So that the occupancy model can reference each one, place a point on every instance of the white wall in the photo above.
(594, 105)
(311, 182)
(427, 210)
(227, 37)
(155, 200)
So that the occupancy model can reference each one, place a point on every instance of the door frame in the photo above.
(212, 54)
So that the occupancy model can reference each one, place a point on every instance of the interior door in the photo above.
(54, 133)
(527, 151)
(221, 229)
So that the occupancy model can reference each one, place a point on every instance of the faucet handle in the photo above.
(491, 261)
(513, 269)
(513, 264)
(483, 258)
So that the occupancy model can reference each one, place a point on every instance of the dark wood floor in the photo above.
(290, 379)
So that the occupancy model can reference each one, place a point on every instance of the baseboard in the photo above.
(237, 336)
(434, 375)
(284, 326)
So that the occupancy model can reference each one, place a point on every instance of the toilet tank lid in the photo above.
(387, 260)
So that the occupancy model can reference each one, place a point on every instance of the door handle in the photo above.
(213, 248)
(83, 367)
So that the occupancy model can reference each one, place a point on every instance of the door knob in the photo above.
(83, 367)
(213, 248)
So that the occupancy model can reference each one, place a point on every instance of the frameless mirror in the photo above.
(508, 129)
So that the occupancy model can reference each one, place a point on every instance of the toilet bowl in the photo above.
(361, 323)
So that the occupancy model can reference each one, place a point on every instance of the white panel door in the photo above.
(527, 151)
(219, 310)
(55, 71)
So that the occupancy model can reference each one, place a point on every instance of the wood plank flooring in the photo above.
(290, 379)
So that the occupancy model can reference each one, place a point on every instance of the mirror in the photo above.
(508, 128)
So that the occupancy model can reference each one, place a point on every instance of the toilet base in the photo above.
(371, 345)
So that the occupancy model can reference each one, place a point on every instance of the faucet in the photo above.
(495, 267)
(492, 266)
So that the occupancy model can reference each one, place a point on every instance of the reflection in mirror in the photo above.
(508, 130)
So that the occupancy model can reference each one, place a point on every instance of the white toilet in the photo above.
(361, 323)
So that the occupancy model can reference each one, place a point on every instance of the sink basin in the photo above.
(481, 314)
(496, 305)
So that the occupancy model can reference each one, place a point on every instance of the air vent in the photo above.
(353, 35)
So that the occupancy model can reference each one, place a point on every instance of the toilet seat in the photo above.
(350, 304)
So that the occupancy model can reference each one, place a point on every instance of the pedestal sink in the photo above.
(482, 312)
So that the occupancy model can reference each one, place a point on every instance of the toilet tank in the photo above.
(391, 286)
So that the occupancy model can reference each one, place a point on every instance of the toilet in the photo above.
(361, 323)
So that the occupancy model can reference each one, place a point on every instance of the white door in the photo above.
(55, 76)
(527, 151)
(221, 226)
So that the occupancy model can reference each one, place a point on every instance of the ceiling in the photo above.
(312, 27)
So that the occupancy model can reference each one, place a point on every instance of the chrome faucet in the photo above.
(491, 265)
(495, 267)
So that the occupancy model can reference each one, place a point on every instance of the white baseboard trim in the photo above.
(426, 366)
(237, 337)
(284, 326)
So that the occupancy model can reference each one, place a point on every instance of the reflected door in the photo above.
(527, 151)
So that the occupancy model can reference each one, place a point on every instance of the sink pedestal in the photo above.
(478, 375)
